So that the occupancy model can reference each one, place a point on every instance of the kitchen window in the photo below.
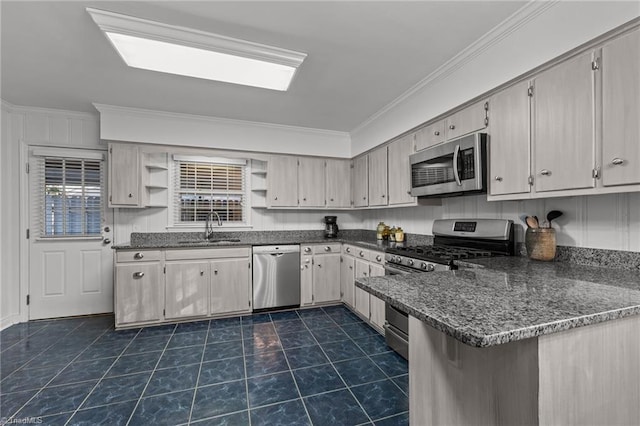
(69, 192)
(205, 184)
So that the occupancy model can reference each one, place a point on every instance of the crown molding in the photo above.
(48, 111)
(140, 112)
(138, 27)
(521, 17)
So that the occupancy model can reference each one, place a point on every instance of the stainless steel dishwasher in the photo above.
(276, 276)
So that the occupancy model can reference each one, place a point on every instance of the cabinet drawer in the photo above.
(326, 248)
(137, 255)
(376, 257)
(213, 253)
(361, 253)
(349, 249)
(306, 250)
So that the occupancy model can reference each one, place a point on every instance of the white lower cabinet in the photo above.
(368, 263)
(196, 283)
(186, 289)
(138, 293)
(230, 286)
(319, 274)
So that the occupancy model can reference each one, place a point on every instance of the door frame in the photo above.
(25, 217)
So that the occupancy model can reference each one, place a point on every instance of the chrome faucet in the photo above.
(208, 227)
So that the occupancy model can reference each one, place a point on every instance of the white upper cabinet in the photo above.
(563, 122)
(400, 170)
(360, 181)
(337, 186)
(430, 135)
(282, 181)
(620, 68)
(378, 170)
(124, 175)
(509, 156)
(311, 182)
(469, 120)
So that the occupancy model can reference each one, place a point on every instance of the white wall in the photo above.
(535, 35)
(156, 127)
(604, 221)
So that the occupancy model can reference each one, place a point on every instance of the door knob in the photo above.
(436, 133)
(452, 127)
(498, 178)
(106, 241)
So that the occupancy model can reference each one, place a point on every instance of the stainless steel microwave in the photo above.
(455, 167)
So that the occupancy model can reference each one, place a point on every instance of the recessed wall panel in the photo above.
(53, 273)
(91, 271)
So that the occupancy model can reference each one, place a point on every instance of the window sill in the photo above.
(198, 228)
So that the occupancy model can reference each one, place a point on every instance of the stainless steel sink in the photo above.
(209, 242)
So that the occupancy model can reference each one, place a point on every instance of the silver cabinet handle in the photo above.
(364, 274)
(378, 258)
(138, 256)
(382, 195)
(452, 126)
(275, 198)
(330, 199)
(138, 275)
(364, 198)
(307, 260)
(302, 267)
(545, 172)
(215, 272)
(361, 254)
(106, 241)
(348, 250)
(307, 249)
(617, 161)
(304, 199)
(350, 267)
(436, 133)
(498, 178)
(319, 265)
(201, 273)
(327, 248)
(456, 174)
(130, 195)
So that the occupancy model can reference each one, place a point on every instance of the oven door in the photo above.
(451, 168)
(396, 330)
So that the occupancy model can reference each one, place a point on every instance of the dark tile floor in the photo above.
(319, 366)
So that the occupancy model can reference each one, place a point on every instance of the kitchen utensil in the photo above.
(532, 222)
(553, 215)
(523, 218)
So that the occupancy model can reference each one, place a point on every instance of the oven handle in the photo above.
(389, 270)
(456, 154)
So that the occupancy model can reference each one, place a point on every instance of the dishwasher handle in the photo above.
(276, 249)
(277, 254)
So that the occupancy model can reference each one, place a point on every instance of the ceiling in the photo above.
(361, 55)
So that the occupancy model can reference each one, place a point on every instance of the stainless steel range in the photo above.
(454, 239)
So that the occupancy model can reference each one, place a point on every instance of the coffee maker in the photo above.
(330, 227)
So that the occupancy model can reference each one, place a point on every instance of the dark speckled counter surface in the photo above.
(500, 300)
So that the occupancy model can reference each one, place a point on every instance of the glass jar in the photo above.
(399, 235)
(540, 243)
(379, 230)
(392, 234)
(385, 233)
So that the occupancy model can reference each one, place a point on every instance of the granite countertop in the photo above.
(500, 300)
(163, 240)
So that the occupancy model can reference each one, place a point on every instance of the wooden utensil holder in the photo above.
(540, 243)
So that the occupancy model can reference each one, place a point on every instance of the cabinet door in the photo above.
(470, 119)
(361, 296)
(338, 183)
(347, 276)
(311, 182)
(430, 135)
(509, 157)
(230, 286)
(360, 181)
(376, 270)
(306, 280)
(186, 289)
(326, 278)
(124, 176)
(377, 311)
(138, 293)
(400, 171)
(378, 177)
(282, 181)
(563, 139)
(621, 110)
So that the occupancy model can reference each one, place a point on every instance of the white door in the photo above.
(70, 256)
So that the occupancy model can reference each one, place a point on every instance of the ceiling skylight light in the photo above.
(176, 50)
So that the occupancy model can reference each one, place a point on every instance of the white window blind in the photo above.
(201, 187)
(69, 192)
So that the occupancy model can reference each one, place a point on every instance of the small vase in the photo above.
(540, 243)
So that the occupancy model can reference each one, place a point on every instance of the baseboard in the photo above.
(9, 320)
